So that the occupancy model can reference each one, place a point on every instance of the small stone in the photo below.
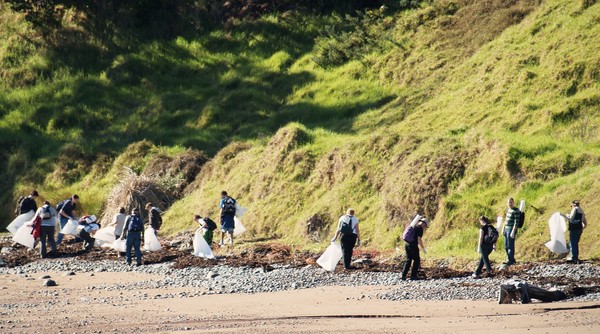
(69, 273)
(45, 277)
(49, 282)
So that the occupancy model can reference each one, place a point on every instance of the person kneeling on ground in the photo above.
(348, 229)
(488, 235)
(412, 250)
(132, 231)
(208, 226)
(86, 228)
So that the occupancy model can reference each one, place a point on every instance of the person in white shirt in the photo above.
(348, 229)
(118, 222)
(87, 227)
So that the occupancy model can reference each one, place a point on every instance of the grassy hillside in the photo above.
(445, 109)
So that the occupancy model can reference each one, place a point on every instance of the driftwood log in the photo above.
(523, 292)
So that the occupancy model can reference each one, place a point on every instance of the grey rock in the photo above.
(7, 250)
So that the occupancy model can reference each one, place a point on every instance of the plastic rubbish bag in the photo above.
(24, 236)
(70, 227)
(19, 221)
(239, 211)
(119, 245)
(105, 236)
(201, 247)
(330, 258)
(151, 242)
(558, 227)
(239, 228)
(414, 222)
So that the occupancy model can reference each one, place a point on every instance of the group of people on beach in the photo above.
(348, 230)
(131, 228)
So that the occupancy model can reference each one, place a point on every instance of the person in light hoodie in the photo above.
(47, 229)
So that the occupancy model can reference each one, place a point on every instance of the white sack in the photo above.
(414, 222)
(19, 221)
(201, 247)
(119, 245)
(558, 227)
(23, 236)
(151, 242)
(331, 257)
(239, 228)
(239, 211)
(105, 236)
(70, 227)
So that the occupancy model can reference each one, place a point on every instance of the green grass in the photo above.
(465, 106)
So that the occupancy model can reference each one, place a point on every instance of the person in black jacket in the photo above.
(413, 256)
(28, 203)
(154, 218)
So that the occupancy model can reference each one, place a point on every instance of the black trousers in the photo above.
(412, 256)
(486, 249)
(88, 241)
(47, 235)
(348, 242)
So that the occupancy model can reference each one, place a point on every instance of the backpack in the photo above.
(409, 234)
(210, 224)
(492, 235)
(135, 224)
(521, 220)
(61, 205)
(346, 227)
(46, 214)
(18, 208)
(229, 206)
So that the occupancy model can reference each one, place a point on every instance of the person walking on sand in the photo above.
(412, 250)
(227, 214)
(511, 225)
(47, 229)
(577, 222)
(348, 229)
(488, 235)
(65, 212)
(132, 232)
(154, 217)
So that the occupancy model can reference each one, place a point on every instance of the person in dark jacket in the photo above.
(28, 203)
(154, 217)
(227, 208)
(132, 232)
(66, 213)
(485, 246)
(412, 250)
(577, 222)
(348, 229)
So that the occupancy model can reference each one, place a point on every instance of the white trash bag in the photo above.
(151, 242)
(239, 228)
(330, 258)
(24, 236)
(239, 211)
(70, 227)
(558, 241)
(119, 245)
(105, 236)
(19, 221)
(201, 247)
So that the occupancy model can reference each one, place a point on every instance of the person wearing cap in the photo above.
(412, 250)
(132, 232)
(577, 222)
(86, 228)
(511, 225)
(348, 229)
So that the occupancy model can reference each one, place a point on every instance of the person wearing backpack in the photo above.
(511, 225)
(488, 235)
(48, 226)
(348, 229)
(411, 247)
(227, 214)
(132, 232)
(65, 210)
(26, 204)
(154, 217)
(208, 226)
(577, 222)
